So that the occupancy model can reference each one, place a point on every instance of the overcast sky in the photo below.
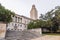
(23, 7)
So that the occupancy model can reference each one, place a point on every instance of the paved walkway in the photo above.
(48, 37)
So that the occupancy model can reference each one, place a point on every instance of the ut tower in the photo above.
(33, 13)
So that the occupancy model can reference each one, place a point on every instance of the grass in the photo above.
(56, 34)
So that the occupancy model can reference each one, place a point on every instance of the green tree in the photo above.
(49, 15)
(56, 18)
(36, 24)
(5, 14)
(49, 25)
(31, 25)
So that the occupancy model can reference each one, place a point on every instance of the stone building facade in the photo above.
(20, 22)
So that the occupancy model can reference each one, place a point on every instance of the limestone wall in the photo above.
(2, 30)
(38, 30)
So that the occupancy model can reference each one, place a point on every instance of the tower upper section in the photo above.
(33, 13)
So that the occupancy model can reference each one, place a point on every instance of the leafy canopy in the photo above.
(5, 14)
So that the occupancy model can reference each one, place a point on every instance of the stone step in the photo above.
(21, 35)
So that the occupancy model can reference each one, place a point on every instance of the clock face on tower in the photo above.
(33, 13)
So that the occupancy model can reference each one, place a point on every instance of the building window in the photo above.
(15, 24)
(20, 25)
(11, 29)
(12, 15)
(15, 27)
(12, 24)
(25, 21)
(15, 19)
(20, 20)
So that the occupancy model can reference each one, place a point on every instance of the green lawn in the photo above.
(52, 34)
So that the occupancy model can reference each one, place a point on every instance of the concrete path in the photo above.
(48, 37)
